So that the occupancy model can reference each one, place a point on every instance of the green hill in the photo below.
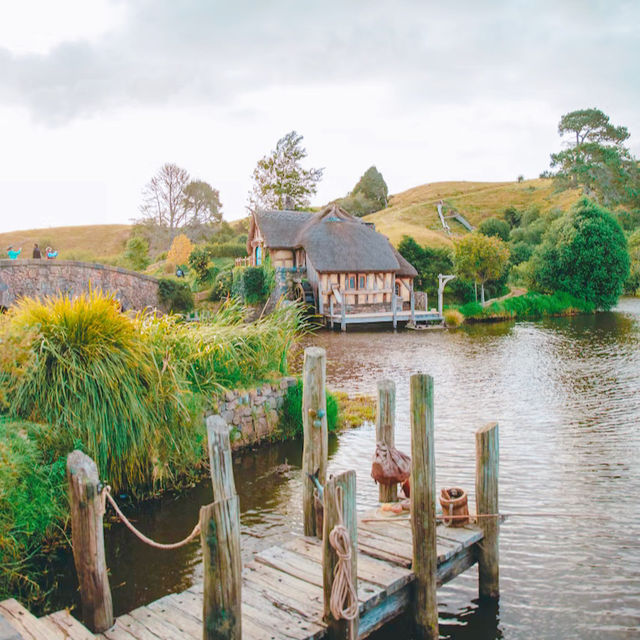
(89, 242)
(413, 212)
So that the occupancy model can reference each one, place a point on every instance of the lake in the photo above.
(565, 392)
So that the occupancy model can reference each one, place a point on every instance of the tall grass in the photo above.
(130, 390)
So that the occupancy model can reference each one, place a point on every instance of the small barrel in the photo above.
(454, 503)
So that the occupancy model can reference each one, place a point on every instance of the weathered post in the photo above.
(87, 539)
(423, 507)
(385, 426)
(413, 307)
(343, 313)
(314, 422)
(331, 309)
(394, 305)
(487, 450)
(220, 538)
(340, 509)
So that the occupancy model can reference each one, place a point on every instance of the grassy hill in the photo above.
(88, 242)
(414, 212)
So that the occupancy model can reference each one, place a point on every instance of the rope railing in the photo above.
(106, 495)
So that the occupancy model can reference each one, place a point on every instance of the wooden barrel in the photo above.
(454, 503)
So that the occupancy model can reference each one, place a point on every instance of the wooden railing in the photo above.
(244, 262)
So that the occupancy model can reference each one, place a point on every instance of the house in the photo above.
(349, 265)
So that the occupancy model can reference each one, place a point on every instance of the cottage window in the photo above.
(362, 284)
(352, 282)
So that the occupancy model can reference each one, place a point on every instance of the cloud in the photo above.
(200, 52)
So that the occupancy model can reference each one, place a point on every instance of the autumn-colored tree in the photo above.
(480, 258)
(180, 250)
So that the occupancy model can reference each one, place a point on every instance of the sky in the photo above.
(95, 95)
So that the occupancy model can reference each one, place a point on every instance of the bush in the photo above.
(175, 296)
(199, 262)
(291, 422)
(222, 286)
(253, 284)
(520, 252)
(229, 249)
(495, 227)
(512, 216)
(453, 317)
(137, 253)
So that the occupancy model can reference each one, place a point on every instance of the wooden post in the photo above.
(220, 538)
(423, 507)
(385, 425)
(314, 421)
(393, 309)
(413, 307)
(331, 309)
(487, 449)
(339, 629)
(343, 312)
(87, 538)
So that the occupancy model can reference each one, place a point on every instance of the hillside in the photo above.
(88, 242)
(414, 213)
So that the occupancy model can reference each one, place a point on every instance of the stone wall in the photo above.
(254, 415)
(39, 278)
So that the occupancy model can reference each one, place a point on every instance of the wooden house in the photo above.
(349, 265)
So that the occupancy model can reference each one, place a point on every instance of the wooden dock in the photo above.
(381, 317)
(345, 578)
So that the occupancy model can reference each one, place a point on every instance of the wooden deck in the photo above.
(281, 591)
(381, 317)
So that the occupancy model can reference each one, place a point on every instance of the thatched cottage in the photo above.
(344, 258)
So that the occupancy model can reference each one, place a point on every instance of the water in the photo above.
(565, 394)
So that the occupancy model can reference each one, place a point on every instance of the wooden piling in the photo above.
(385, 426)
(487, 450)
(314, 421)
(423, 507)
(343, 313)
(394, 305)
(87, 538)
(344, 483)
(331, 309)
(220, 539)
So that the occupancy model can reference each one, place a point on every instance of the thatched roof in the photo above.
(333, 240)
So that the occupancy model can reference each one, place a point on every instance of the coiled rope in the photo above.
(343, 603)
(106, 495)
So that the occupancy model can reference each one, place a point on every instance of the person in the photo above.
(50, 253)
(13, 255)
(36, 252)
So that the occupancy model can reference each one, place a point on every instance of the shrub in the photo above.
(520, 252)
(137, 253)
(253, 284)
(222, 286)
(199, 262)
(180, 250)
(495, 227)
(512, 216)
(291, 421)
(453, 317)
(229, 249)
(175, 296)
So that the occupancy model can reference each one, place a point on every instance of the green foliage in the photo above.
(33, 501)
(228, 249)
(530, 305)
(137, 253)
(520, 252)
(201, 203)
(584, 254)
(199, 262)
(512, 216)
(252, 284)
(358, 205)
(175, 295)
(495, 227)
(370, 194)
(279, 181)
(291, 422)
(222, 286)
(632, 285)
(596, 159)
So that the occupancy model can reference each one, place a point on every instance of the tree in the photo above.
(495, 227)
(632, 285)
(163, 198)
(201, 203)
(180, 250)
(280, 182)
(137, 253)
(199, 262)
(584, 253)
(596, 160)
(480, 258)
(370, 194)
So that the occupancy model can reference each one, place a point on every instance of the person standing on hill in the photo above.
(36, 252)
(13, 255)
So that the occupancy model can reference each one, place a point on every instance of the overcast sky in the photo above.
(95, 95)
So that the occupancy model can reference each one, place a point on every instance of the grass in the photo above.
(88, 243)
(530, 305)
(413, 212)
(453, 317)
(291, 421)
(354, 411)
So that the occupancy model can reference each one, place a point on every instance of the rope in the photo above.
(344, 600)
(106, 495)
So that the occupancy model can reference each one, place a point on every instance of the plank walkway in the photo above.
(379, 317)
(281, 591)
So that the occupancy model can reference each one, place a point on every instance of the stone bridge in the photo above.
(39, 278)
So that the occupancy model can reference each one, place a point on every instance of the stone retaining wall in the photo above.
(254, 415)
(40, 278)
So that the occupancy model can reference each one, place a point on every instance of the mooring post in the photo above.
(331, 309)
(487, 450)
(393, 309)
(423, 507)
(314, 422)
(340, 491)
(385, 426)
(220, 538)
(413, 307)
(343, 313)
(87, 540)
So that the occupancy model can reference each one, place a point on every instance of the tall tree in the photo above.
(201, 203)
(280, 182)
(163, 198)
(596, 160)
(370, 194)
(480, 258)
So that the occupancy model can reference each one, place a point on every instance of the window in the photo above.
(362, 283)
(397, 288)
(352, 282)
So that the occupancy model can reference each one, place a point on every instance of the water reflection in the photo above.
(565, 393)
